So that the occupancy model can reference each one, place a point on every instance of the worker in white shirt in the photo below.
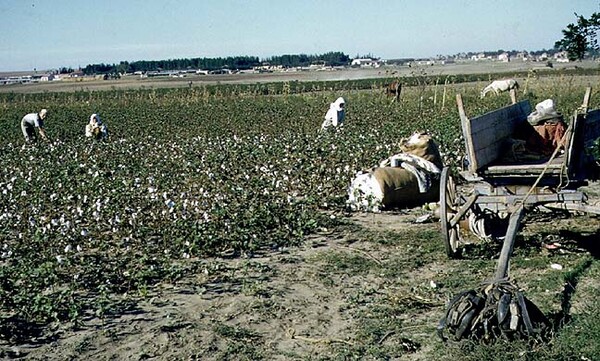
(32, 121)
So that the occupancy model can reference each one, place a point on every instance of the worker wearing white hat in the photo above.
(32, 121)
(95, 128)
(335, 115)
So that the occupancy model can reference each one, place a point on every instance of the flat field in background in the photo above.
(212, 225)
(487, 70)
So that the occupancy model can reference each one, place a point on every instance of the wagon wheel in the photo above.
(449, 205)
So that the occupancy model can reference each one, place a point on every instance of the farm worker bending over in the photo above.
(95, 128)
(335, 115)
(32, 121)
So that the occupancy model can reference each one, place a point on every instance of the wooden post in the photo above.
(513, 96)
(509, 242)
(435, 90)
(444, 93)
(466, 126)
(586, 100)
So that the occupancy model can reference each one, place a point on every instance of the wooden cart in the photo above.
(512, 189)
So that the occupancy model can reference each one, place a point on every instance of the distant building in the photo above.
(366, 63)
(523, 55)
(504, 57)
(76, 74)
(49, 77)
(477, 57)
(561, 57)
(542, 57)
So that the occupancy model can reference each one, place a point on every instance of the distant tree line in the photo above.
(235, 62)
(333, 58)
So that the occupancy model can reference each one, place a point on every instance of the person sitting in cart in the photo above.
(549, 126)
(32, 121)
(95, 128)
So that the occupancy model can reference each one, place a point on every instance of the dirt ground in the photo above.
(276, 307)
(318, 301)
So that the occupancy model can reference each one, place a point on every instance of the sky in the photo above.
(49, 34)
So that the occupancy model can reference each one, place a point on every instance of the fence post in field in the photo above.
(513, 96)
(444, 93)
(435, 89)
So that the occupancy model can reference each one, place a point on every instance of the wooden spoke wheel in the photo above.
(449, 207)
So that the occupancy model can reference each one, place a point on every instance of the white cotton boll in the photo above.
(59, 259)
(68, 248)
(79, 248)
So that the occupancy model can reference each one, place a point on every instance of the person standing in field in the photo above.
(335, 115)
(32, 121)
(95, 128)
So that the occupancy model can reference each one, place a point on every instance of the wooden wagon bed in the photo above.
(513, 188)
(486, 137)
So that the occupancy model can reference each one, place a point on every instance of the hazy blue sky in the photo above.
(46, 34)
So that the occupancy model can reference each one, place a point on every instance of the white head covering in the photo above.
(98, 121)
(43, 113)
(543, 111)
(546, 107)
(338, 104)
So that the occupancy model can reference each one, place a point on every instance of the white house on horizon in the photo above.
(504, 57)
(366, 63)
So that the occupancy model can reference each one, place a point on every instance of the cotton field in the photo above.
(185, 175)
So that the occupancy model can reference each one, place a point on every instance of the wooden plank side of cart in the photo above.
(591, 128)
(486, 135)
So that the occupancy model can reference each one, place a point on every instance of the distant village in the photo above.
(64, 74)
